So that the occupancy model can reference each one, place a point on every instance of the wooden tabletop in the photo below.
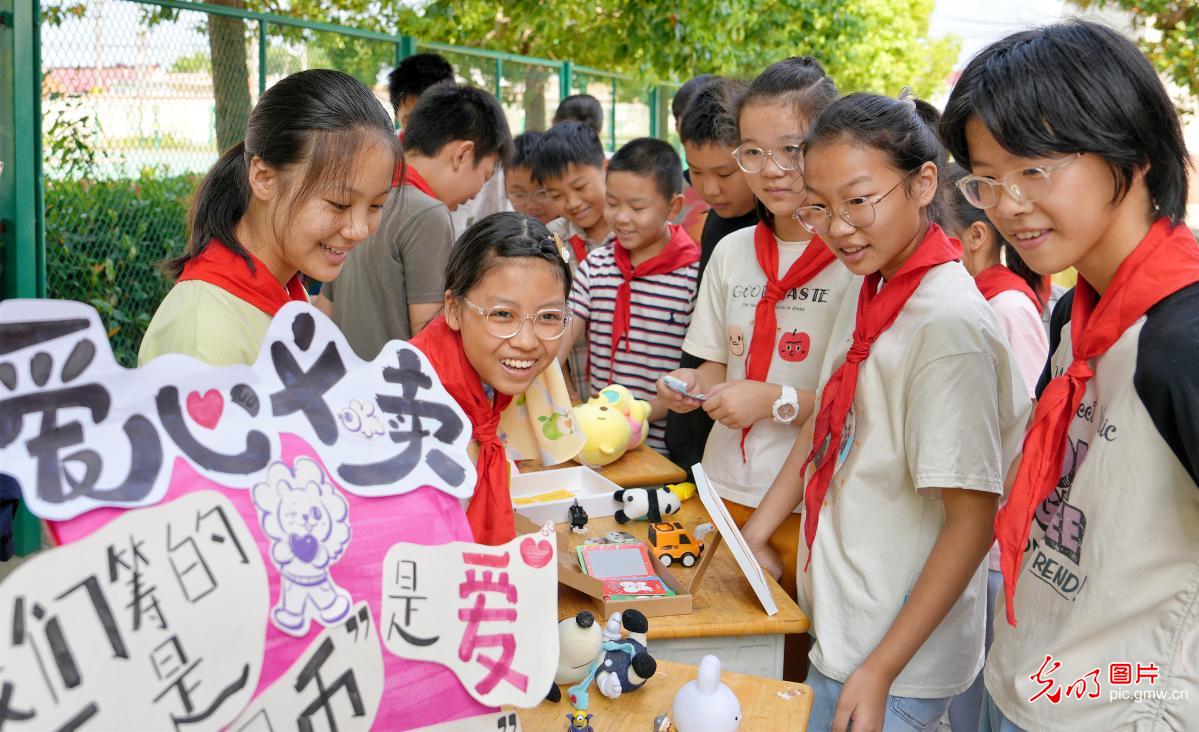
(724, 604)
(765, 703)
(640, 467)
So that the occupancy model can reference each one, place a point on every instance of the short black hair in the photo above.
(652, 158)
(523, 146)
(415, 74)
(710, 115)
(1075, 87)
(504, 235)
(904, 129)
(581, 108)
(563, 145)
(683, 96)
(448, 112)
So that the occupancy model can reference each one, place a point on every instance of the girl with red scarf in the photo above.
(303, 189)
(766, 306)
(505, 312)
(1082, 164)
(921, 409)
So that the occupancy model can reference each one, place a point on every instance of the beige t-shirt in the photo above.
(720, 331)
(401, 264)
(939, 404)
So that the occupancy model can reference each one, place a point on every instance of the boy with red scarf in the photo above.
(634, 297)
(1099, 538)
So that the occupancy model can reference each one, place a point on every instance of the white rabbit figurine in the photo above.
(705, 704)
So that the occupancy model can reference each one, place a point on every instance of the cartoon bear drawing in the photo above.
(307, 520)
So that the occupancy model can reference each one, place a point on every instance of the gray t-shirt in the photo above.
(402, 263)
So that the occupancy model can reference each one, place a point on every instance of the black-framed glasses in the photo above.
(1025, 185)
(501, 321)
(753, 159)
(858, 212)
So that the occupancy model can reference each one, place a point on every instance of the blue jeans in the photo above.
(903, 713)
(992, 720)
(964, 709)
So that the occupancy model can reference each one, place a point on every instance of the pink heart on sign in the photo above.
(205, 410)
(536, 553)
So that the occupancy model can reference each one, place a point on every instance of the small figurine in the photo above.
(579, 721)
(619, 537)
(578, 517)
(705, 704)
(645, 503)
(671, 542)
(622, 664)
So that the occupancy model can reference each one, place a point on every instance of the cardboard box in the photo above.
(593, 491)
(571, 575)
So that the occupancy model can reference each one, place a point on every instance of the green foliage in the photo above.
(103, 239)
(193, 63)
(1170, 36)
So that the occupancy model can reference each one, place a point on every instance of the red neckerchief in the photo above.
(998, 278)
(578, 247)
(1165, 261)
(762, 344)
(407, 175)
(490, 509)
(680, 251)
(877, 309)
(219, 265)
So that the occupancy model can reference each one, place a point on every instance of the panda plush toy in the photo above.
(643, 503)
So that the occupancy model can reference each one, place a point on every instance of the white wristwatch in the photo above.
(786, 407)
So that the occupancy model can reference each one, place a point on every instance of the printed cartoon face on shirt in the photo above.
(317, 234)
(794, 346)
(1064, 225)
(736, 341)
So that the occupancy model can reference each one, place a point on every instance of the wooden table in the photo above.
(727, 620)
(640, 467)
(765, 703)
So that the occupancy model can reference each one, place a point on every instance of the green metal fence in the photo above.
(137, 98)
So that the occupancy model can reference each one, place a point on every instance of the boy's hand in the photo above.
(738, 404)
(675, 401)
(863, 701)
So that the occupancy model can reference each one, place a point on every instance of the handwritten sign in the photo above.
(78, 431)
(153, 622)
(505, 608)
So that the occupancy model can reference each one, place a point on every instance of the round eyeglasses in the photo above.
(501, 321)
(857, 212)
(1025, 185)
(753, 159)
(520, 198)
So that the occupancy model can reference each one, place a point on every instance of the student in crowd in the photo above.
(708, 131)
(695, 209)
(921, 411)
(411, 78)
(505, 314)
(394, 284)
(1015, 293)
(682, 97)
(1098, 540)
(526, 195)
(305, 187)
(569, 161)
(765, 310)
(582, 108)
(634, 297)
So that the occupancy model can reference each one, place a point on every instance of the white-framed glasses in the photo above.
(1025, 185)
(501, 321)
(752, 159)
(858, 212)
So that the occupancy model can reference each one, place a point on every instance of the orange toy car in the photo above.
(671, 542)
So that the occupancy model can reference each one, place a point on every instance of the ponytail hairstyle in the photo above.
(799, 81)
(314, 123)
(505, 235)
(904, 128)
(962, 215)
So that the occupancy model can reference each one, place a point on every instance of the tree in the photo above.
(1169, 36)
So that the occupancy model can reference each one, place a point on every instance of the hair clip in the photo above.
(562, 250)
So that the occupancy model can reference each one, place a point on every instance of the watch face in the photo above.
(788, 411)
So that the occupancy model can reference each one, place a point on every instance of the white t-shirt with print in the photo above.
(1109, 583)
(939, 404)
(721, 329)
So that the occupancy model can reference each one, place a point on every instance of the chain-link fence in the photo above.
(140, 96)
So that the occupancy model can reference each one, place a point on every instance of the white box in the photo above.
(593, 491)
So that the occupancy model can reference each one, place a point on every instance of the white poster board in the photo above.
(732, 536)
